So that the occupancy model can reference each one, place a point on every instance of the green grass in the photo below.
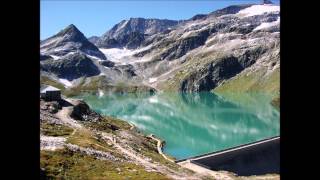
(276, 102)
(86, 138)
(93, 85)
(106, 122)
(65, 164)
(254, 82)
(47, 81)
(146, 146)
(55, 129)
(99, 82)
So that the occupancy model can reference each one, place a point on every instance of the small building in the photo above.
(50, 93)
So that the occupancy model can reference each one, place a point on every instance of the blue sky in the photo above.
(95, 17)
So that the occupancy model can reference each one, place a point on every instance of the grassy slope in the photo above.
(71, 165)
(254, 82)
(54, 129)
(47, 81)
(65, 164)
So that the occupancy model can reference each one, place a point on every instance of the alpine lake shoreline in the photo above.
(76, 164)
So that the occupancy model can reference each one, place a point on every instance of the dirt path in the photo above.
(64, 116)
(143, 161)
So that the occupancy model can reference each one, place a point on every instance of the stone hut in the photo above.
(50, 93)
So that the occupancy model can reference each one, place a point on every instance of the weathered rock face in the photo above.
(51, 107)
(81, 111)
(181, 47)
(128, 70)
(93, 39)
(221, 69)
(107, 63)
(198, 16)
(71, 66)
(208, 77)
(131, 33)
(69, 40)
(44, 57)
(109, 43)
(131, 40)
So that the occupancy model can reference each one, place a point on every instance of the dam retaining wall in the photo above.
(258, 158)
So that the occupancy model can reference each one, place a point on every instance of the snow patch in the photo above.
(66, 82)
(152, 80)
(116, 54)
(258, 10)
(124, 56)
(55, 57)
(94, 57)
(267, 25)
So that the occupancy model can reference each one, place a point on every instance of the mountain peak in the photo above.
(70, 29)
(135, 28)
(72, 25)
(70, 39)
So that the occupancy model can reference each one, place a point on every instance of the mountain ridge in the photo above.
(70, 39)
(197, 54)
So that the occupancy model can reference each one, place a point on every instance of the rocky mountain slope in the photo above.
(93, 39)
(71, 66)
(69, 40)
(235, 48)
(131, 33)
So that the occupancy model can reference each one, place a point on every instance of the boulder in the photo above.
(106, 63)
(81, 111)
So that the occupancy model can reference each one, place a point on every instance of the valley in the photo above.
(148, 92)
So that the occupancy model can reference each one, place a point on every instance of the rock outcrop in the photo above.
(82, 112)
(71, 66)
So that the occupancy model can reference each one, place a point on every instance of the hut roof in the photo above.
(49, 88)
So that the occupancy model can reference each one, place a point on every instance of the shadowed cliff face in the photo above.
(71, 67)
(214, 73)
(208, 77)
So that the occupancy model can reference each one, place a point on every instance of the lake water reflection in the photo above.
(193, 123)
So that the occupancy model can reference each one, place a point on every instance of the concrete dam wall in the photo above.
(258, 158)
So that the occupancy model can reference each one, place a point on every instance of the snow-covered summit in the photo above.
(258, 10)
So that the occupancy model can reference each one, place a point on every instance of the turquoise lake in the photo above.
(193, 123)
